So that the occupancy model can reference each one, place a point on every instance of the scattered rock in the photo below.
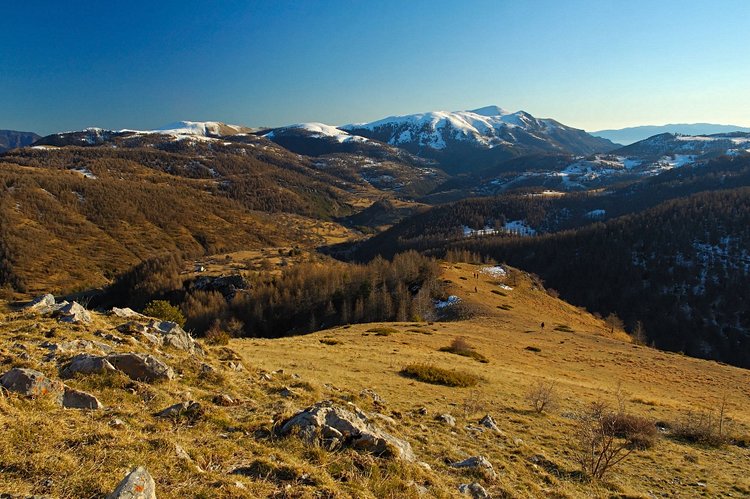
(126, 313)
(141, 367)
(137, 485)
(287, 392)
(86, 364)
(474, 490)
(189, 409)
(77, 399)
(161, 333)
(419, 489)
(447, 419)
(348, 426)
(478, 463)
(488, 422)
(73, 313)
(223, 400)
(422, 411)
(117, 423)
(373, 395)
(235, 366)
(383, 418)
(31, 383)
(44, 304)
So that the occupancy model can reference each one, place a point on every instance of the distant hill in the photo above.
(629, 135)
(10, 139)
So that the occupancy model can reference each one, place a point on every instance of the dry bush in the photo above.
(216, 335)
(607, 437)
(460, 346)
(542, 396)
(439, 376)
(700, 428)
(599, 448)
(639, 431)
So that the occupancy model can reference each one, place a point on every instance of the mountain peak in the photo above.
(490, 111)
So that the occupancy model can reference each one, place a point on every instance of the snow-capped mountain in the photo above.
(315, 131)
(201, 128)
(695, 145)
(467, 140)
(627, 136)
(178, 131)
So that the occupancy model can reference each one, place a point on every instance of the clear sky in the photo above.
(590, 64)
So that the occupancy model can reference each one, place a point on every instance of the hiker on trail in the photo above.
(475, 289)
(542, 325)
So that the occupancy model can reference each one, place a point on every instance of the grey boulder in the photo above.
(138, 484)
(348, 427)
(73, 313)
(77, 399)
(479, 463)
(141, 367)
(474, 490)
(86, 364)
(31, 383)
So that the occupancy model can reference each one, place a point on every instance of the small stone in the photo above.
(190, 409)
(287, 392)
(478, 463)
(138, 484)
(475, 490)
(77, 399)
(488, 422)
(223, 400)
(447, 419)
(235, 366)
(117, 423)
(373, 395)
(422, 411)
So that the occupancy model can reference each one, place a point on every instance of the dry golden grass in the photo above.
(69, 453)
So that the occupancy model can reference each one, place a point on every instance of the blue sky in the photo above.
(590, 64)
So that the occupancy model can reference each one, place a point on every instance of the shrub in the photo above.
(217, 336)
(439, 376)
(599, 448)
(330, 341)
(542, 396)
(639, 431)
(702, 428)
(162, 309)
(460, 346)
(383, 331)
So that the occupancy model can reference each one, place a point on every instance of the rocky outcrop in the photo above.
(138, 484)
(141, 367)
(345, 427)
(73, 313)
(31, 383)
(161, 333)
(44, 304)
(488, 422)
